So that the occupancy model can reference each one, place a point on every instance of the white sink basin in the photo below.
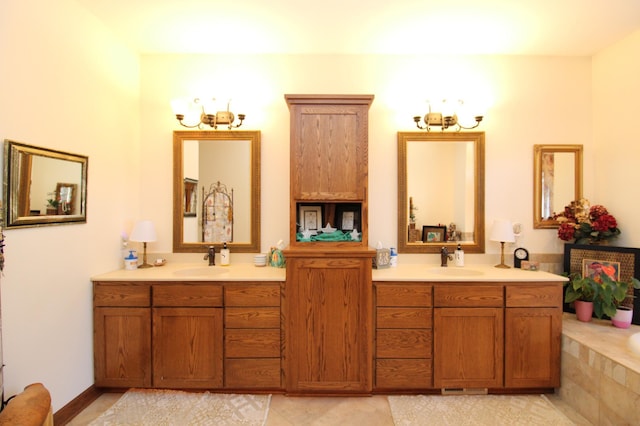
(456, 272)
(203, 271)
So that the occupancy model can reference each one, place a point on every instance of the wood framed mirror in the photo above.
(225, 168)
(557, 180)
(440, 184)
(43, 186)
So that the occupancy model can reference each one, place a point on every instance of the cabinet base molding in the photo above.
(464, 391)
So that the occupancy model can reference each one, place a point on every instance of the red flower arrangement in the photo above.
(586, 224)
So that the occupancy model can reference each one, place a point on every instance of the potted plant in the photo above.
(611, 294)
(52, 203)
(582, 292)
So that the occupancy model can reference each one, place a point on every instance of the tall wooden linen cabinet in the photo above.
(328, 292)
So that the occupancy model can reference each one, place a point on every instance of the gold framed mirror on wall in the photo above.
(440, 191)
(224, 206)
(557, 180)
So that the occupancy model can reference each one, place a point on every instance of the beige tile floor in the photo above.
(315, 411)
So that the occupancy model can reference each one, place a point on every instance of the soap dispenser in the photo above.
(225, 255)
(459, 256)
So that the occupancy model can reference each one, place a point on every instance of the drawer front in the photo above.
(404, 373)
(246, 343)
(121, 294)
(477, 296)
(252, 373)
(403, 343)
(252, 295)
(403, 294)
(535, 295)
(404, 317)
(252, 317)
(187, 295)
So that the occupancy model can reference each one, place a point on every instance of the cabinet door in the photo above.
(468, 347)
(329, 336)
(532, 347)
(122, 347)
(187, 347)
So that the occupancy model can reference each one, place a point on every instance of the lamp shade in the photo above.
(144, 231)
(502, 231)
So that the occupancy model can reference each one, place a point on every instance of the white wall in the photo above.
(67, 84)
(616, 90)
(530, 100)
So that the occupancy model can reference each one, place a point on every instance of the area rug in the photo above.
(145, 407)
(460, 410)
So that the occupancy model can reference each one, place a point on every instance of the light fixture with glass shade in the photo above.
(205, 110)
(446, 118)
(502, 231)
(144, 232)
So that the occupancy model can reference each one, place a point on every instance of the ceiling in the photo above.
(520, 27)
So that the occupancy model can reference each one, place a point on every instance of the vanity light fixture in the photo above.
(444, 120)
(144, 232)
(502, 231)
(208, 115)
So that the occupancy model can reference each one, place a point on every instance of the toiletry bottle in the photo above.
(459, 256)
(225, 256)
(393, 259)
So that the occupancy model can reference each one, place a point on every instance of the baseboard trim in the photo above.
(76, 405)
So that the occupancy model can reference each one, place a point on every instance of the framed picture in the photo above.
(434, 234)
(190, 197)
(310, 217)
(348, 217)
(621, 263)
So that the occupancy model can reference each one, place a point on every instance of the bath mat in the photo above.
(146, 407)
(460, 410)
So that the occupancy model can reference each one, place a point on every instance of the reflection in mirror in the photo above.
(557, 181)
(43, 186)
(216, 190)
(440, 191)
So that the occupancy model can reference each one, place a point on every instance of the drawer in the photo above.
(184, 295)
(476, 296)
(404, 317)
(404, 373)
(252, 317)
(252, 373)
(534, 295)
(403, 294)
(401, 343)
(245, 343)
(121, 294)
(252, 295)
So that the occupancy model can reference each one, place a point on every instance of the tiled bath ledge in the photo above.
(600, 374)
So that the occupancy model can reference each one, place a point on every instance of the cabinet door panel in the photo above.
(532, 347)
(468, 347)
(252, 317)
(122, 347)
(401, 343)
(248, 343)
(403, 373)
(187, 347)
(247, 373)
(258, 294)
(403, 317)
(403, 294)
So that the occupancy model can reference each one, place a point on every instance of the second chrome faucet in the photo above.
(444, 257)
(211, 255)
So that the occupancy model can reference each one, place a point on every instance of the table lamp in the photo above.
(144, 232)
(502, 231)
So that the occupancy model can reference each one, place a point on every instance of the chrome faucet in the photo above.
(444, 257)
(211, 256)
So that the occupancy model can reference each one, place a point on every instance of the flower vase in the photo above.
(623, 317)
(584, 310)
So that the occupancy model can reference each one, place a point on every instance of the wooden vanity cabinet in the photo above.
(122, 334)
(404, 336)
(252, 341)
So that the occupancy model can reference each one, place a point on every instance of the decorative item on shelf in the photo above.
(382, 260)
(205, 112)
(276, 257)
(144, 232)
(446, 119)
(52, 203)
(586, 224)
(520, 254)
(622, 317)
(502, 231)
(581, 292)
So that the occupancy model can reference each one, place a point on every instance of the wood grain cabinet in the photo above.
(403, 339)
(252, 336)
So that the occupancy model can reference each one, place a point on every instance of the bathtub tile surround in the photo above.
(600, 374)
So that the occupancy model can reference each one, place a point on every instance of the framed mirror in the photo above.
(43, 186)
(216, 190)
(440, 191)
(557, 181)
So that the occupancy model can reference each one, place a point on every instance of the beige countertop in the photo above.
(184, 271)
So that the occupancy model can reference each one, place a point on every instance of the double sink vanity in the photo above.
(427, 328)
